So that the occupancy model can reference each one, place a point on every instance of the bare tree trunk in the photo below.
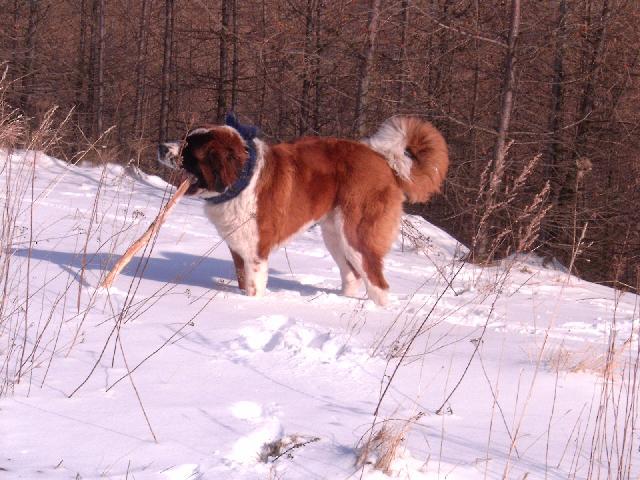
(365, 70)
(15, 45)
(303, 119)
(553, 169)
(235, 61)
(597, 42)
(92, 70)
(265, 73)
(95, 93)
(140, 69)
(100, 68)
(557, 91)
(506, 108)
(439, 50)
(402, 61)
(174, 98)
(29, 61)
(315, 121)
(473, 135)
(574, 170)
(222, 66)
(81, 71)
(496, 172)
(163, 128)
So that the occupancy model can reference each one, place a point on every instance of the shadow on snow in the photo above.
(166, 267)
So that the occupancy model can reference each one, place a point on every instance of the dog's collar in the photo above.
(236, 188)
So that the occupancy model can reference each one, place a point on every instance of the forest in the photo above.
(538, 101)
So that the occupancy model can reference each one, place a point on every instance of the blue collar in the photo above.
(236, 188)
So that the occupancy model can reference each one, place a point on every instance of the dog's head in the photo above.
(211, 156)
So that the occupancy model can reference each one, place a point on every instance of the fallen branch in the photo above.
(144, 239)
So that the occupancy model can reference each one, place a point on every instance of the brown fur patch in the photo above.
(303, 181)
(215, 156)
(429, 148)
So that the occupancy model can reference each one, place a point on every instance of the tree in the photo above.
(29, 59)
(365, 70)
(163, 129)
(497, 167)
(222, 65)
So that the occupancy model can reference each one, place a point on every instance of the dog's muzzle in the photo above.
(169, 154)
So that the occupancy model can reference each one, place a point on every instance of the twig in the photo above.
(295, 446)
(475, 350)
(144, 239)
(164, 344)
(135, 389)
(410, 343)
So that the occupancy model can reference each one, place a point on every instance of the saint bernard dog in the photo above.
(258, 196)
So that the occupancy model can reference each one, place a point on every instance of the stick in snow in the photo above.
(144, 239)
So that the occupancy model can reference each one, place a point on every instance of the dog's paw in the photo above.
(252, 291)
(351, 289)
(379, 296)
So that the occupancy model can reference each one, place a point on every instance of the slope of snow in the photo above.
(490, 373)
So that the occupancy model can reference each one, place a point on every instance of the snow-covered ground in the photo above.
(475, 373)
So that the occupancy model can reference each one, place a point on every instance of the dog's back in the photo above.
(303, 181)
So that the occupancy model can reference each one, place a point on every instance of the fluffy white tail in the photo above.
(416, 151)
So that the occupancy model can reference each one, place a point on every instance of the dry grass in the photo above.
(284, 447)
(601, 444)
(385, 445)
(31, 331)
(590, 359)
(503, 224)
(24, 346)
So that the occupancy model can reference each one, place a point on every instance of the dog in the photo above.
(259, 196)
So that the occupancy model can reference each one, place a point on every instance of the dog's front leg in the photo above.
(238, 262)
(256, 273)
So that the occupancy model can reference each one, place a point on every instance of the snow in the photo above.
(219, 378)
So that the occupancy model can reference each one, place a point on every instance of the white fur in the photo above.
(377, 294)
(236, 223)
(333, 239)
(390, 141)
(257, 284)
(202, 130)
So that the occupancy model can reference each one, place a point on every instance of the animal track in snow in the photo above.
(280, 334)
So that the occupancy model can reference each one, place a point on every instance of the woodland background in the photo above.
(538, 101)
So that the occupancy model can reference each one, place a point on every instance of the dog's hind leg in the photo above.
(351, 279)
(367, 236)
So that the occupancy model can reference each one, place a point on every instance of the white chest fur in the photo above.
(235, 219)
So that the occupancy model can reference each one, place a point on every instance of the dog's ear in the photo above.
(247, 132)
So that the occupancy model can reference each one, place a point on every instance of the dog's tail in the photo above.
(416, 151)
